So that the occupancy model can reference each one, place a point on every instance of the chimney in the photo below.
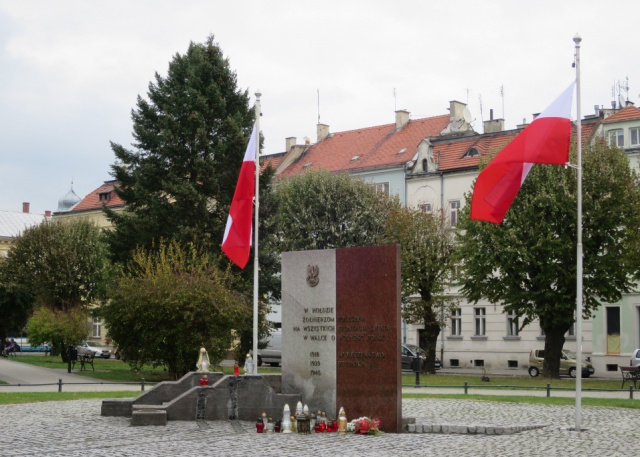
(323, 132)
(402, 118)
(456, 110)
(25, 207)
(493, 125)
(47, 213)
(289, 143)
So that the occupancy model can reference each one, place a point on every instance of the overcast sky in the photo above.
(70, 71)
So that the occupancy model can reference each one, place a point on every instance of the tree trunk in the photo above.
(428, 340)
(553, 344)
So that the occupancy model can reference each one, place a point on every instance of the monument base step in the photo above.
(149, 417)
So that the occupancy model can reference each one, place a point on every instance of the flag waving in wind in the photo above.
(546, 140)
(237, 234)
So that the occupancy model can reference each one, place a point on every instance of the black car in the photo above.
(409, 351)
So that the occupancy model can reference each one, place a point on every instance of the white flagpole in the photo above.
(255, 242)
(577, 39)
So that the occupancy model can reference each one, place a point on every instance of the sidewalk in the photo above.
(23, 373)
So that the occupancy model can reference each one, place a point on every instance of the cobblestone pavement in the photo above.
(75, 428)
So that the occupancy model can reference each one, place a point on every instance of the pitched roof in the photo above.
(12, 223)
(368, 148)
(272, 159)
(625, 114)
(93, 200)
(452, 154)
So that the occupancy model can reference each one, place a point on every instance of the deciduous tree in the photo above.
(427, 244)
(528, 263)
(173, 302)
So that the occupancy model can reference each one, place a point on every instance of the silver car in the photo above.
(98, 349)
(635, 358)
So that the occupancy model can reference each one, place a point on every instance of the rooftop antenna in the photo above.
(318, 105)
(395, 100)
(502, 95)
(480, 101)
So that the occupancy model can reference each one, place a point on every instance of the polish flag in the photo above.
(237, 234)
(546, 140)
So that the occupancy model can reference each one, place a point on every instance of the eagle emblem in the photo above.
(312, 275)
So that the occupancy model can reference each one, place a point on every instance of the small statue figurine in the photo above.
(204, 381)
(236, 369)
(203, 361)
(248, 365)
(342, 422)
(286, 419)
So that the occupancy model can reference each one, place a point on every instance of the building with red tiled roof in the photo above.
(90, 207)
(622, 128)
(378, 154)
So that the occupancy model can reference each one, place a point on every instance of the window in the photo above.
(634, 135)
(425, 165)
(456, 322)
(382, 187)
(96, 327)
(426, 208)
(455, 207)
(571, 333)
(481, 321)
(512, 324)
(105, 196)
(616, 138)
(473, 152)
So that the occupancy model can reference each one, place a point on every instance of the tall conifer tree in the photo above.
(190, 135)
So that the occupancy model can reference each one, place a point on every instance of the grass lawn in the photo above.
(523, 382)
(116, 370)
(34, 397)
(562, 401)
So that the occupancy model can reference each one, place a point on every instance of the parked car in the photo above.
(409, 351)
(272, 354)
(97, 348)
(635, 358)
(567, 364)
(26, 347)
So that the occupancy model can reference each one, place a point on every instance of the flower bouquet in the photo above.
(365, 426)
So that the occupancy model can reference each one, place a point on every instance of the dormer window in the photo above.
(105, 196)
(472, 152)
(425, 165)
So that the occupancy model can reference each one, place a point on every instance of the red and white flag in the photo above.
(236, 242)
(545, 140)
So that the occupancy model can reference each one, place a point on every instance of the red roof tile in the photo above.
(625, 114)
(92, 200)
(272, 159)
(452, 153)
(372, 147)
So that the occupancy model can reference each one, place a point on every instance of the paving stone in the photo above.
(53, 429)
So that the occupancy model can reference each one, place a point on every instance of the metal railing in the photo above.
(142, 383)
(466, 387)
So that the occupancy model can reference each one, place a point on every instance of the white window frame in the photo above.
(480, 320)
(96, 328)
(454, 212)
(426, 208)
(512, 324)
(456, 322)
(382, 187)
(634, 136)
(616, 137)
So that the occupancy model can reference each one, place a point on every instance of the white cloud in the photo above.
(72, 69)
